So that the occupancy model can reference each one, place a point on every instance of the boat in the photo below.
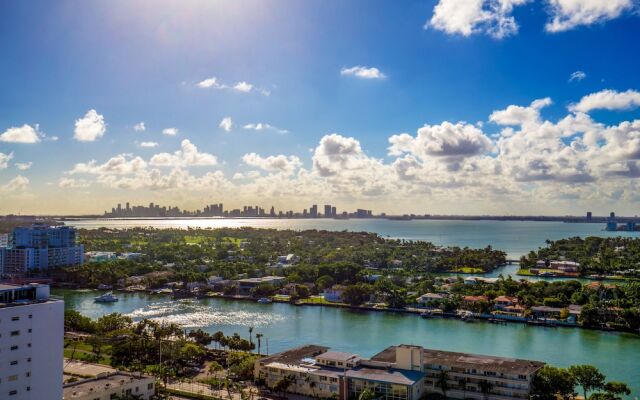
(264, 300)
(106, 298)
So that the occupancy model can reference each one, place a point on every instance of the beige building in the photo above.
(107, 386)
(401, 372)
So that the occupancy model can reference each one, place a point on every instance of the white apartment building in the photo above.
(108, 386)
(31, 343)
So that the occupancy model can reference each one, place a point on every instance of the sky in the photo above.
(523, 107)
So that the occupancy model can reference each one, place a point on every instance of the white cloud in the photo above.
(246, 175)
(188, 155)
(363, 72)
(263, 127)
(568, 14)
(243, 86)
(518, 115)
(279, 163)
(23, 166)
(23, 134)
(90, 127)
(4, 160)
(71, 183)
(577, 76)
(226, 124)
(467, 17)
(608, 100)
(170, 131)
(121, 164)
(147, 144)
(210, 83)
(17, 184)
(139, 127)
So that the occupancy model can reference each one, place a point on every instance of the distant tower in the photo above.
(589, 215)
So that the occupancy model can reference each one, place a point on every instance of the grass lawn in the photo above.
(82, 351)
(468, 270)
(191, 239)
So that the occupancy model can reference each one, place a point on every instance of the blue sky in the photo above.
(143, 62)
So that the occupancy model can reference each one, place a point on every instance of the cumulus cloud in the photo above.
(170, 131)
(22, 134)
(4, 160)
(467, 17)
(226, 124)
(210, 83)
(90, 127)
(264, 127)
(122, 164)
(577, 76)
(139, 127)
(518, 115)
(279, 163)
(22, 166)
(72, 183)
(246, 175)
(17, 184)
(241, 86)
(451, 141)
(187, 156)
(148, 144)
(568, 14)
(608, 100)
(363, 72)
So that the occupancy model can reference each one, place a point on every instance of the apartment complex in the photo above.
(40, 247)
(401, 372)
(31, 343)
(107, 386)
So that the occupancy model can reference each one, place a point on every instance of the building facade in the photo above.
(107, 386)
(39, 248)
(403, 372)
(31, 343)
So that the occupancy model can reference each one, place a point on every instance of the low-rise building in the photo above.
(245, 285)
(504, 302)
(403, 372)
(334, 293)
(430, 299)
(107, 386)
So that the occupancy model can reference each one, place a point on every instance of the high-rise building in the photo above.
(589, 216)
(327, 211)
(313, 212)
(31, 341)
(40, 247)
(334, 212)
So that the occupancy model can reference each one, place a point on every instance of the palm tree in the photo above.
(463, 384)
(485, 387)
(250, 333)
(259, 337)
(442, 382)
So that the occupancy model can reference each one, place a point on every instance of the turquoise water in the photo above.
(514, 237)
(285, 326)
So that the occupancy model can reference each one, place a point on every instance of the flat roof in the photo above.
(96, 385)
(296, 355)
(467, 360)
(395, 376)
(338, 355)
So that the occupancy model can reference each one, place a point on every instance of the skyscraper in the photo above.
(327, 211)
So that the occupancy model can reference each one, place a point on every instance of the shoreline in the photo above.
(419, 312)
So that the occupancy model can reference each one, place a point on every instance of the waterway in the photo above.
(365, 333)
(514, 237)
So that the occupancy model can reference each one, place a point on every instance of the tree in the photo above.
(324, 282)
(259, 339)
(356, 294)
(588, 377)
(283, 384)
(367, 394)
(589, 315)
(201, 337)
(442, 382)
(113, 322)
(617, 388)
(550, 382)
(485, 387)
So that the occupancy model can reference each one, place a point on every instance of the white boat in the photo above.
(264, 300)
(106, 298)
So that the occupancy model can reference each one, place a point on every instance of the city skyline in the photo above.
(510, 107)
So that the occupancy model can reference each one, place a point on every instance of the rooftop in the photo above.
(337, 355)
(466, 360)
(395, 376)
(101, 382)
(296, 355)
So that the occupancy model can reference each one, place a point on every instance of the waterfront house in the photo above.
(565, 266)
(245, 285)
(468, 300)
(334, 294)
(472, 280)
(403, 372)
(430, 299)
(503, 302)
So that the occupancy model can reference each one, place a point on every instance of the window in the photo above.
(13, 393)
(28, 374)
(16, 318)
(13, 378)
(29, 359)
(14, 362)
(150, 386)
(28, 388)
(30, 316)
(14, 348)
(29, 330)
(15, 333)
(28, 344)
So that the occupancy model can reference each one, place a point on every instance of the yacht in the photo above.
(264, 300)
(106, 298)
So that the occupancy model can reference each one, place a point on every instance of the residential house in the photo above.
(430, 299)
